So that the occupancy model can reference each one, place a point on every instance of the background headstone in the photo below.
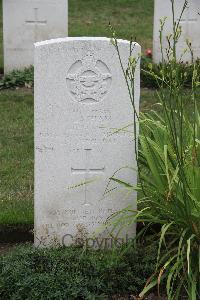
(81, 97)
(28, 21)
(190, 24)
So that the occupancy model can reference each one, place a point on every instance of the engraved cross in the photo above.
(87, 170)
(36, 22)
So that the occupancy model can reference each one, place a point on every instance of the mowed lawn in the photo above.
(16, 156)
(131, 18)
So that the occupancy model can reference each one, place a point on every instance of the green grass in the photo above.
(130, 18)
(16, 153)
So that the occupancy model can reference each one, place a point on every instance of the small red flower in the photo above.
(148, 52)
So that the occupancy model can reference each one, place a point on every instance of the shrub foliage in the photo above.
(73, 273)
(18, 78)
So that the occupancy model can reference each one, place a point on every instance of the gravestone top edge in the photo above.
(71, 39)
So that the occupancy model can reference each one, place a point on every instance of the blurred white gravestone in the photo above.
(80, 97)
(190, 25)
(28, 21)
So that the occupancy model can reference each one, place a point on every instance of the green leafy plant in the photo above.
(18, 78)
(184, 71)
(169, 173)
(73, 273)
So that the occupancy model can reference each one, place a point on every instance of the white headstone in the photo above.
(81, 98)
(28, 21)
(190, 25)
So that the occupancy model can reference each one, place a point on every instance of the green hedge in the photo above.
(74, 273)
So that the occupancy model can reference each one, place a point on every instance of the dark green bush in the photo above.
(150, 72)
(73, 273)
(17, 78)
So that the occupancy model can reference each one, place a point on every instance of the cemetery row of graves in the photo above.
(100, 150)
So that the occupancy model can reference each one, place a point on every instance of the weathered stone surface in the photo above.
(189, 22)
(81, 98)
(28, 21)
